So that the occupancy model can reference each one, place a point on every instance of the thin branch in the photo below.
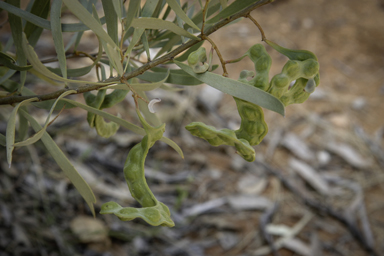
(225, 72)
(263, 38)
(265, 219)
(166, 58)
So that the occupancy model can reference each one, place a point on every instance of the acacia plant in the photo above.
(176, 30)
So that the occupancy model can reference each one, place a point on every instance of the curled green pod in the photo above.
(94, 101)
(300, 91)
(100, 101)
(222, 137)
(153, 212)
(292, 70)
(197, 60)
(155, 215)
(105, 129)
(253, 128)
(263, 62)
(243, 77)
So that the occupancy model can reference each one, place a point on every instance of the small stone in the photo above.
(227, 240)
(323, 157)
(359, 103)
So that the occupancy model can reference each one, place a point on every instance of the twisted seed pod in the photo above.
(303, 87)
(95, 102)
(263, 62)
(297, 93)
(105, 129)
(197, 60)
(253, 128)
(155, 215)
(153, 212)
(243, 77)
(222, 137)
(293, 70)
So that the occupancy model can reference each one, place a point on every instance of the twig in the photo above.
(263, 38)
(225, 72)
(293, 232)
(264, 220)
(145, 67)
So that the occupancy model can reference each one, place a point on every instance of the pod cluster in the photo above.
(301, 70)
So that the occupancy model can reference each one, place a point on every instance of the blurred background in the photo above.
(316, 188)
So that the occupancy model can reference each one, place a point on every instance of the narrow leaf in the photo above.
(40, 9)
(9, 62)
(75, 39)
(7, 75)
(149, 8)
(237, 89)
(38, 66)
(173, 41)
(10, 132)
(176, 76)
(151, 86)
(63, 162)
(43, 23)
(84, 70)
(233, 8)
(155, 23)
(223, 3)
(40, 133)
(111, 19)
(81, 12)
(144, 40)
(170, 88)
(23, 125)
(117, 5)
(135, 38)
(181, 14)
(133, 7)
(17, 31)
(213, 7)
(76, 72)
(42, 77)
(57, 35)
(113, 52)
